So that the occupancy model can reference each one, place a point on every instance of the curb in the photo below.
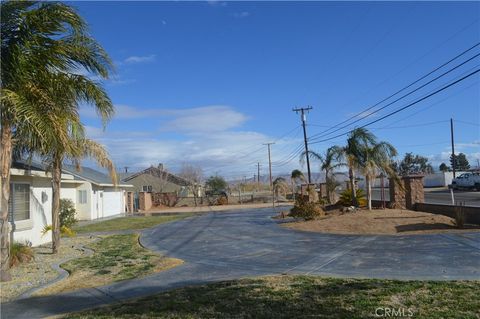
(62, 273)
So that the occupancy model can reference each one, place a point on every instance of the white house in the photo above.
(30, 205)
(94, 194)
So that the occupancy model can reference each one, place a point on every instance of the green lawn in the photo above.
(116, 257)
(126, 223)
(303, 297)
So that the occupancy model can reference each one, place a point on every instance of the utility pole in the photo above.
(270, 169)
(269, 162)
(304, 122)
(258, 176)
(454, 160)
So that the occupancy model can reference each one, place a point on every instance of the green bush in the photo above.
(305, 209)
(67, 213)
(67, 219)
(346, 198)
(20, 253)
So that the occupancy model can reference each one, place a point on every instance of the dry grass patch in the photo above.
(302, 297)
(387, 221)
(117, 257)
(129, 223)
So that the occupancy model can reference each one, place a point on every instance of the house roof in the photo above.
(90, 174)
(29, 165)
(85, 173)
(157, 172)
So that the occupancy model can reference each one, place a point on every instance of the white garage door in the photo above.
(112, 203)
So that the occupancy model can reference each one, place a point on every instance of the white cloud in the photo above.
(221, 151)
(139, 59)
(216, 3)
(207, 136)
(240, 15)
(205, 119)
(197, 120)
(126, 112)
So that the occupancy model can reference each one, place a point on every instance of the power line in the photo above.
(469, 123)
(416, 60)
(408, 105)
(401, 90)
(290, 158)
(398, 99)
(294, 151)
(407, 126)
(214, 167)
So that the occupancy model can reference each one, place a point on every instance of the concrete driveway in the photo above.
(252, 242)
(219, 246)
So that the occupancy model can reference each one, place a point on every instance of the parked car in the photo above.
(466, 181)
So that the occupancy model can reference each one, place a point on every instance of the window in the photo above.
(148, 188)
(82, 196)
(19, 203)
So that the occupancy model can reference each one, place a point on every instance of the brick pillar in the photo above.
(411, 193)
(397, 194)
(414, 190)
(145, 200)
(323, 190)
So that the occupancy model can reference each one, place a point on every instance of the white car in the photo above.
(466, 181)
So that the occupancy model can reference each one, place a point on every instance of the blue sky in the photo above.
(207, 83)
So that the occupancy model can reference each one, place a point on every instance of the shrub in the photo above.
(67, 213)
(67, 219)
(20, 253)
(64, 230)
(222, 200)
(346, 198)
(305, 209)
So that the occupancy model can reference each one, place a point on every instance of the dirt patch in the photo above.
(388, 221)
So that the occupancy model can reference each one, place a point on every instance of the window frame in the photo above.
(80, 197)
(24, 224)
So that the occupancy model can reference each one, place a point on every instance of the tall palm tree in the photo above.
(38, 39)
(377, 157)
(329, 161)
(353, 154)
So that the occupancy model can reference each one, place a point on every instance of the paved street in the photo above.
(442, 196)
(236, 244)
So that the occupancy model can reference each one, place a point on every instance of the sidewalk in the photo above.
(208, 209)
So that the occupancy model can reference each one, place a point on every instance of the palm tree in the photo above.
(376, 157)
(280, 184)
(39, 40)
(295, 177)
(353, 154)
(329, 161)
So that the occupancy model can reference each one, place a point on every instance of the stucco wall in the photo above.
(40, 211)
(84, 211)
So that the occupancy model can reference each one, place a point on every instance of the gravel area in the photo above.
(375, 222)
(40, 271)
